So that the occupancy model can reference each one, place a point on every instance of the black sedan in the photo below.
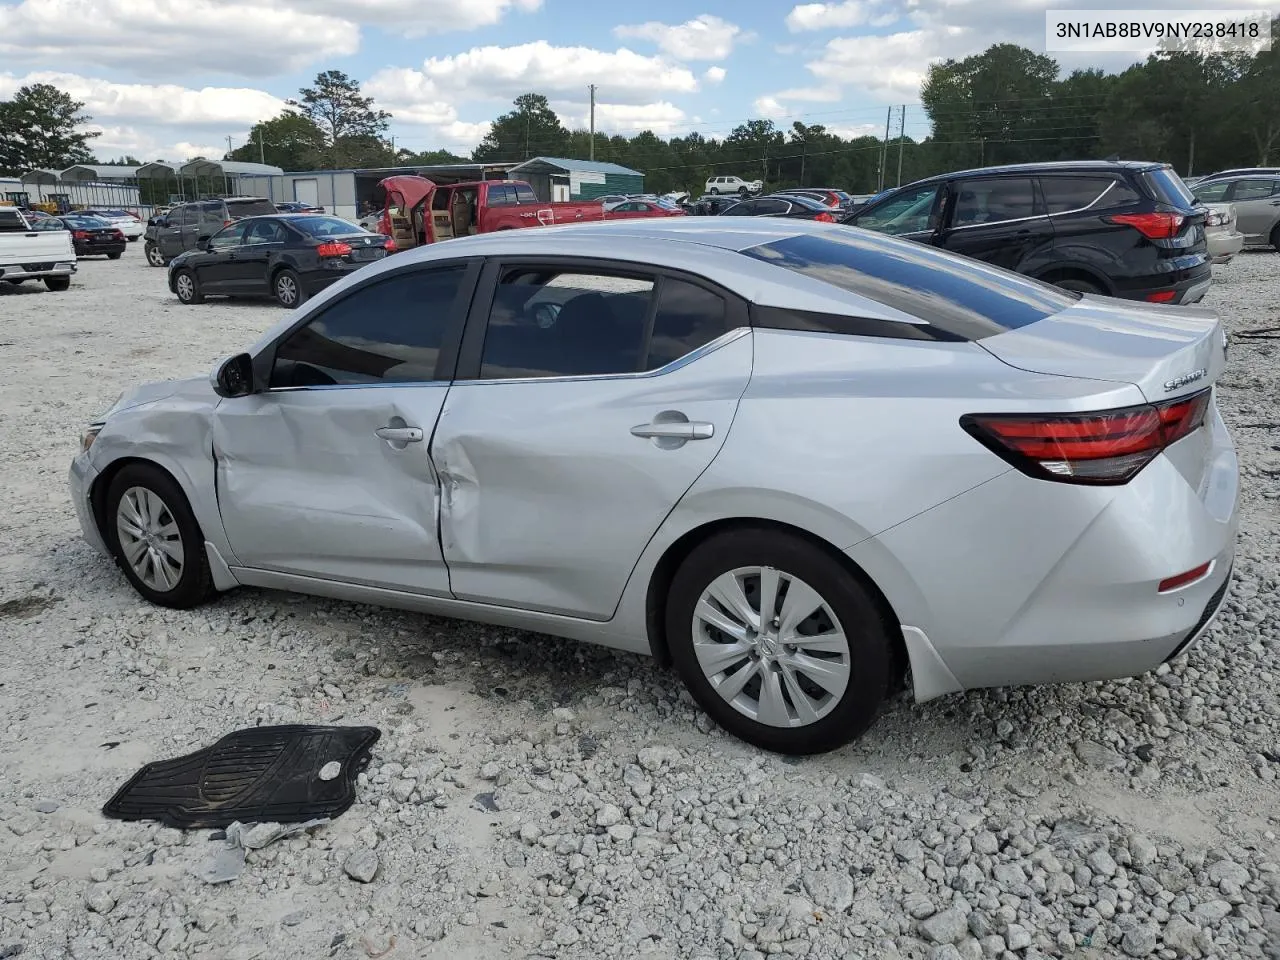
(91, 236)
(288, 257)
(784, 205)
(297, 206)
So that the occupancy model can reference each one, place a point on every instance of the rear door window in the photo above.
(211, 217)
(1212, 192)
(962, 299)
(1069, 194)
(1252, 189)
(688, 317)
(994, 201)
(501, 195)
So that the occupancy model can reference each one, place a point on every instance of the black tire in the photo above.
(743, 191)
(1275, 238)
(132, 239)
(194, 584)
(115, 256)
(154, 257)
(859, 616)
(286, 287)
(714, 191)
(58, 284)
(187, 287)
(1079, 286)
(18, 281)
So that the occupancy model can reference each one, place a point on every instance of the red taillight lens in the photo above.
(80, 234)
(1105, 448)
(390, 245)
(825, 218)
(1161, 296)
(333, 249)
(1153, 226)
(227, 223)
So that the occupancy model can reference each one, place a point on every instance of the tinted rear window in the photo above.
(960, 297)
(1168, 187)
(250, 208)
(325, 226)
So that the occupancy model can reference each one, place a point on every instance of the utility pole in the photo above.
(262, 150)
(1191, 154)
(528, 119)
(592, 90)
(229, 147)
(902, 135)
(884, 147)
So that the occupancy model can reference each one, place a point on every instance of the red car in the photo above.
(628, 209)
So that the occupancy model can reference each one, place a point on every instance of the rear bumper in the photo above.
(1067, 588)
(1188, 284)
(29, 271)
(100, 249)
(1223, 245)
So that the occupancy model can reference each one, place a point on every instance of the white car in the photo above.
(124, 221)
(30, 254)
(718, 185)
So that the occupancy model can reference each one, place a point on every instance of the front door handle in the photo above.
(675, 430)
(400, 434)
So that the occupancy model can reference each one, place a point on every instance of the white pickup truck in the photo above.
(27, 254)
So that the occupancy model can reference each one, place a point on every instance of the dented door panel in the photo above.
(549, 498)
(306, 486)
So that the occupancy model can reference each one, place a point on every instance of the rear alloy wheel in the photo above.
(288, 289)
(714, 191)
(742, 191)
(778, 642)
(187, 288)
(1079, 286)
(156, 538)
(153, 254)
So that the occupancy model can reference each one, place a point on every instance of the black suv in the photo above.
(1124, 229)
(188, 226)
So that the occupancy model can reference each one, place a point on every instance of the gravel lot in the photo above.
(532, 797)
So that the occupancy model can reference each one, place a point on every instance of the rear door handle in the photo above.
(400, 434)
(678, 430)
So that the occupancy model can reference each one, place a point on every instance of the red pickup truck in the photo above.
(416, 211)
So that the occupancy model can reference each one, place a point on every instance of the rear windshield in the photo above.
(325, 226)
(961, 297)
(250, 208)
(1168, 187)
(87, 223)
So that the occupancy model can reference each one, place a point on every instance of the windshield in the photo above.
(325, 226)
(907, 212)
(86, 223)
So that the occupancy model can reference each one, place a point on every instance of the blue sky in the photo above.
(171, 79)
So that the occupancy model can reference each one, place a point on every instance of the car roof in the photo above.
(1053, 166)
(708, 247)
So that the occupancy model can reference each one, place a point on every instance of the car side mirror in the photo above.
(208, 247)
(233, 377)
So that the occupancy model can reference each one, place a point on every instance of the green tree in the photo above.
(427, 158)
(349, 123)
(291, 141)
(531, 129)
(43, 127)
(1256, 101)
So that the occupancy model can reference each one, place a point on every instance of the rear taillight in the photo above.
(80, 234)
(1161, 296)
(825, 218)
(333, 249)
(1182, 579)
(1153, 226)
(390, 245)
(1104, 448)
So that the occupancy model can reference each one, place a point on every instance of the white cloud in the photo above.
(170, 104)
(415, 18)
(146, 144)
(828, 16)
(410, 96)
(502, 73)
(153, 37)
(769, 108)
(714, 75)
(893, 66)
(705, 37)
(628, 119)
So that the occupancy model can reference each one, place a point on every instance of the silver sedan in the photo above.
(801, 462)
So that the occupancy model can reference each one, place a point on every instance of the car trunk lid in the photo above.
(1166, 352)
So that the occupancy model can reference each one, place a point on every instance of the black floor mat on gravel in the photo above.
(263, 774)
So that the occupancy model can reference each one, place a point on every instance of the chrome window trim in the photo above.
(1047, 216)
(723, 340)
(361, 386)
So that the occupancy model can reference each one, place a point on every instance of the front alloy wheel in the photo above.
(150, 541)
(154, 257)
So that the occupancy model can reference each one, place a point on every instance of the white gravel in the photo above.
(536, 798)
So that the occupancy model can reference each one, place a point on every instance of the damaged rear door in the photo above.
(327, 472)
(589, 397)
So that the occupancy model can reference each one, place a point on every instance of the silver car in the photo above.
(1256, 201)
(793, 459)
